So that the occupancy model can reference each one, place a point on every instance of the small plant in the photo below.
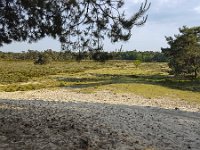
(137, 63)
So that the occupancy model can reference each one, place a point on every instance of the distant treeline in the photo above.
(147, 56)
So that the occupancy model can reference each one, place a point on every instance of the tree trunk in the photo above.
(196, 72)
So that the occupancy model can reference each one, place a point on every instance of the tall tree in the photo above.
(184, 51)
(76, 23)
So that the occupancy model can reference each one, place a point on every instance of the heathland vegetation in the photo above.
(150, 80)
(173, 73)
(83, 26)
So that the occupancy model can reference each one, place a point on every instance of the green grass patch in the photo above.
(150, 80)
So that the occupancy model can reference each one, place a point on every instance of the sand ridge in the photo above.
(62, 119)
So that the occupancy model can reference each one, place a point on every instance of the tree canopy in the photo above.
(184, 51)
(76, 23)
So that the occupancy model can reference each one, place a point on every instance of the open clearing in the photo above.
(97, 106)
(150, 80)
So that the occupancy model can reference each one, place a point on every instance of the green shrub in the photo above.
(43, 59)
(101, 56)
(137, 63)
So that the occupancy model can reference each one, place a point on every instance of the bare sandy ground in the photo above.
(61, 119)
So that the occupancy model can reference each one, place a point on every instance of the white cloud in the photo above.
(197, 9)
(163, 4)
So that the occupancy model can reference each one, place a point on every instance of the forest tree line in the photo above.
(147, 56)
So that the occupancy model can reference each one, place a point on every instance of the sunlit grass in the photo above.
(150, 80)
(155, 91)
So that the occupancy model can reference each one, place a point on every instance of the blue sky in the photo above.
(165, 17)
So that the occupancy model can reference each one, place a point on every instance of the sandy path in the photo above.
(62, 119)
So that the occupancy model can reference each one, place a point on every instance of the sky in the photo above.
(165, 17)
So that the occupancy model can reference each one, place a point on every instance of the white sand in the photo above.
(62, 119)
